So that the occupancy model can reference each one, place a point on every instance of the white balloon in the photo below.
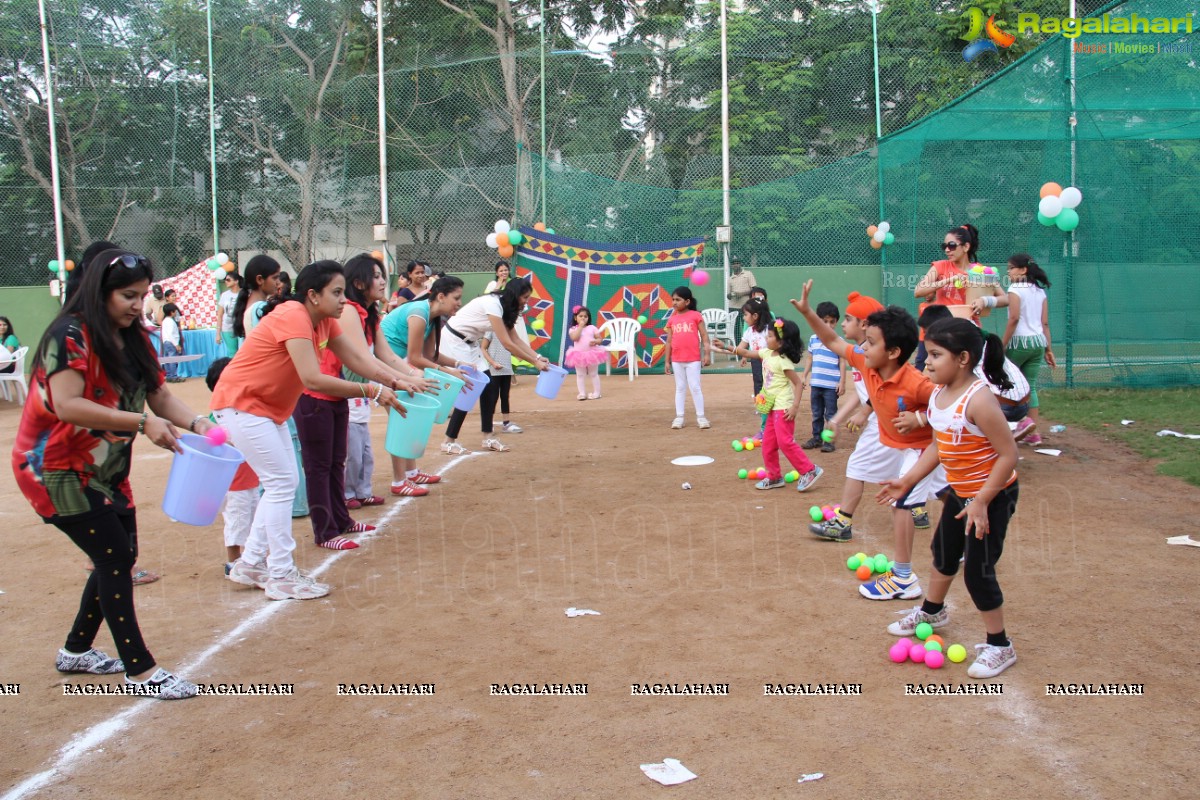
(491, 240)
(501, 226)
(880, 235)
(885, 227)
(222, 259)
(1050, 206)
(1071, 197)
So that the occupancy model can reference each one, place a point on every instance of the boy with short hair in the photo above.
(823, 371)
(172, 341)
(893, 386)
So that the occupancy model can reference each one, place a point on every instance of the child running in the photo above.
(893, 386)
(972, 442)
(780, 401)
(586, 354)
(687, 352)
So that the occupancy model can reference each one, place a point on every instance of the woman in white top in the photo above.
(503, 272)
(494, 314)
(225, 306)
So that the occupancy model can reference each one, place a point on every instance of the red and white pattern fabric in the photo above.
(196, 294)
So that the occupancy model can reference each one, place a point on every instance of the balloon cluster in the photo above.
(1057, 207)
(505, 239)
(67, 265)
(881, 234)
(220, 263)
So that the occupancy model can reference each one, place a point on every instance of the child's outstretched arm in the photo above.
(895, 490)
(826, 334)
(984, 411)
(741, 350)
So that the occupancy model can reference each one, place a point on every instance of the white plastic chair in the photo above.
(17, 376)
(720, 323)
(622, 333)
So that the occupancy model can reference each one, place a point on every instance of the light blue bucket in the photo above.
(448, 388)
(407, 436)
(550, 381)
(467, 397)
(199, 479)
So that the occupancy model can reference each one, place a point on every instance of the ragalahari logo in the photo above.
(995, 36)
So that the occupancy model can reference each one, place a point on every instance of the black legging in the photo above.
(487, 410)
(504, 384)
(110, 541)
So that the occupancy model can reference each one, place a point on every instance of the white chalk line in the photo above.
(86, 742)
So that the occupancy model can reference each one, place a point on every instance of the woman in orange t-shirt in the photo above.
(258, 392)
(946, 280)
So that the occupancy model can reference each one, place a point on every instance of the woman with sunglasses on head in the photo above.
(94, 373)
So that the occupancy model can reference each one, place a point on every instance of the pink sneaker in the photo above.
(1025, 427)
(1033, 440)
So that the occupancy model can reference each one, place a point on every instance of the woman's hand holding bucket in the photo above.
(163, 434)
(412, 385)
(387, 398)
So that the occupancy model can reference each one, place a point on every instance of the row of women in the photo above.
(96, 383)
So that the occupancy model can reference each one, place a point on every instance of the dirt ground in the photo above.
(721, 584)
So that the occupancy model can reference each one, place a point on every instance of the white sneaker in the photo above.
(992, 660)
(295, 586)
(511, 427)
(914, 617)
(247, 574)
(169, 687)
(703, 424)
(677, 424)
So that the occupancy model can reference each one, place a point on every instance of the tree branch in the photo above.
(471, 15)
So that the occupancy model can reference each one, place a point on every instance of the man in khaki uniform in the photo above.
(740, 283)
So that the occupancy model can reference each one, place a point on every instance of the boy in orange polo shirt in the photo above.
(894, 387)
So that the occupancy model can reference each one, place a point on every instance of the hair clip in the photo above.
(779, 324)
(576, 309)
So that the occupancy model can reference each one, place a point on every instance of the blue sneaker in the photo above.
(767, 483)
(920, 518)
(890, 586)
(808, 479)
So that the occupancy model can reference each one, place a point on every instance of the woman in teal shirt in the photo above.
(9, 341)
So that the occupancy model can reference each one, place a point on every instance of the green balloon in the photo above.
(52, 266)
(889, 238)
(550, 231)
(1047, 221)
(515, 238)
(853, 562)
(1067, 220)
(211, 263)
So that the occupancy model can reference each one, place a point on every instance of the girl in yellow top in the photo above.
(972, 441)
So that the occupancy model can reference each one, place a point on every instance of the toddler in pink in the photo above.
(586, 354)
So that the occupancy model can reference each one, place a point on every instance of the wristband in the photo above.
(192, 424)
(142, 423)
(989, 301)
(378, 393)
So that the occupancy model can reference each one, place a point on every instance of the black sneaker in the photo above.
(833, 529)
(812, 443)
(827, 447)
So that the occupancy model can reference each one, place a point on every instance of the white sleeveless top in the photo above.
(1029, 325)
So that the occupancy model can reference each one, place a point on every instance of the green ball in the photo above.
(642, 319)
(924, 630)
(815, 513)
(853, 562)
(861, 556)
(787, 478)
(880, 565)
(879, 556)
(933, 646)
(956, 653)
(826, 435)
(742, 474)
(737, 446)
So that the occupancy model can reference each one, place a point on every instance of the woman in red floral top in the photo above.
(94, 373)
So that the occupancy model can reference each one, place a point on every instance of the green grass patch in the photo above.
(1153, 410)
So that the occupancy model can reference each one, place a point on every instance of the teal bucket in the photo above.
(447, 387)
(550, 381)
(407, 436)
(199, 479)
(467, 397)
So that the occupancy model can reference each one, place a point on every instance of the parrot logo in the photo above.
(979, 46)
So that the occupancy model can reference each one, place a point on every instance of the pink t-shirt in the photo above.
(685, 336)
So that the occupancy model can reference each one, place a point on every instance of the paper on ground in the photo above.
(668, 773)
(815, 776)
(581, 612)
(1180, 435)
(1126, 422)
(1170, 540)
(1049, 452)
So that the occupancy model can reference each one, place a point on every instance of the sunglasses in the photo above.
(128, 261)
(950, 245)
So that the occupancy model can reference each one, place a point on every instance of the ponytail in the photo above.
(969, 235)
(993, 363)
(1033, 273)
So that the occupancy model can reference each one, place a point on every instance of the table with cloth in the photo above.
(202, 342)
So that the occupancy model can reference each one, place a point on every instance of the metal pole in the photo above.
(1070, 307)
(725, 147)
(878, 122)
(383, 186)
(212, 132)
(542, 26)
(56, 189)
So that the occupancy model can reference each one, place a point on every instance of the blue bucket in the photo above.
(447, 387)
(200, 477)
(467, 397)
(550, 381)
(407, 436)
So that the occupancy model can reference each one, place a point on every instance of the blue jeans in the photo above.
(171, 369)
(824, 406)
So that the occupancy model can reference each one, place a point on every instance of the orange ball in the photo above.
(1050, 188)
(863, 572)
(933, 637)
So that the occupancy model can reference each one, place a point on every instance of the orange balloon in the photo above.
(876, 245)
(506, 250)
(377, 255)
(933, 637)
(871, 229)
(68, 265)
(1051, 188)
(229, 266)
(539, 226)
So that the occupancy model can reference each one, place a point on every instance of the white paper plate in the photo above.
(692, 461)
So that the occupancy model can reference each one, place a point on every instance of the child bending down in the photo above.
(973, 443)
(780, 400)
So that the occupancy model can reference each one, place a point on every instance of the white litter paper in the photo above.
(581, 612)
(686, 485)
(1170, 540)
(1126, 422)
(1180, 435)
(669, 773)
(1049, 452)
(815, 776)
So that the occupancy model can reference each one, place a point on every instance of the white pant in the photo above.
(267, 447)
(687, 378)
(239, 515)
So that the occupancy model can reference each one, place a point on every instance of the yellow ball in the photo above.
(537, 325)
(956, 653)
(750, 445)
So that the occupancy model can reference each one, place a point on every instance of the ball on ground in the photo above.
(853, 563)
(863, 572)
(737, 446)
(907, 642)
(880, 564)
(815, 514)
(861, 556)
(762, 474)
(934, 659)
(743, 474)
(917, 653)
(827, 512)
(898, 653)
(956, 653)
(750, 445)
(789, 477)
(923, 630)
(933, 637)
(932, 645)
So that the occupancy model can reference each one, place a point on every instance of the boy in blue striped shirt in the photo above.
(823, 372)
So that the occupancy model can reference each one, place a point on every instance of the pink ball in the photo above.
(898, 653)
(699, 277)
(217, 436)
(828, 512)
(907, 642)
(917, 653)
(762, 473)
(934, 659)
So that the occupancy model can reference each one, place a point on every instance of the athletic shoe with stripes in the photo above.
(890, 586)
(246, 574)
(409, 489)
(422, 478)
(295, 586)
(93, 662)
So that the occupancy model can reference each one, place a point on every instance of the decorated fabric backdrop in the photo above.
(195, 288)
(612, 280)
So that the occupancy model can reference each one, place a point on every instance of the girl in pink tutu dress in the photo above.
(587, 354)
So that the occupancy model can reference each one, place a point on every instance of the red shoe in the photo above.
(425, 477)
(373, 500)
(409, 489)
(354, 503)
(359, 527)
(339, 543)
